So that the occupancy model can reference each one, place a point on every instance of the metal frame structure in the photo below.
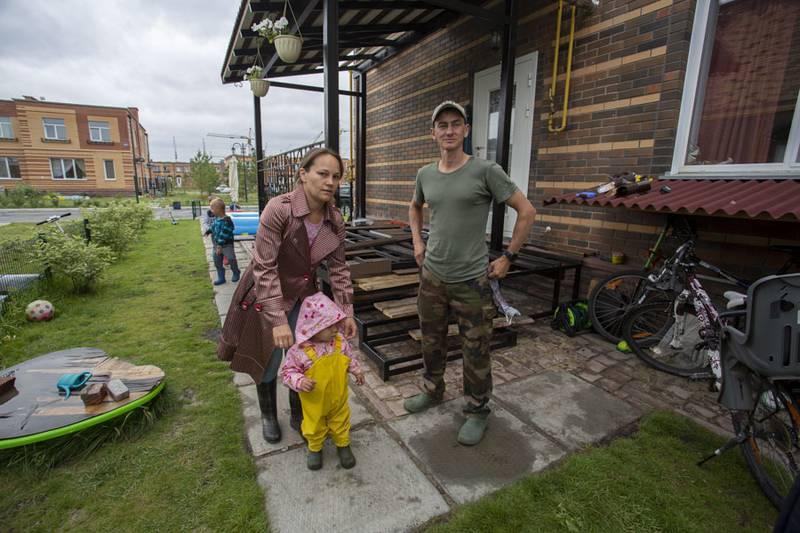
(357, 35)
(279, 170)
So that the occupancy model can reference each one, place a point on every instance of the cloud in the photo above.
(164, 58)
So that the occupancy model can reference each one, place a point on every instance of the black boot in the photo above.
(297, 411)
(267, 401)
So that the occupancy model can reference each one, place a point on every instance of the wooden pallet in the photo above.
(452, 330)
(386, 282)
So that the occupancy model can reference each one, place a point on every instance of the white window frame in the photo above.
(64, 169)
(113, 168)
(99, 129)
(5, 168)
(62, 126)
(700, 49)
(5, 124)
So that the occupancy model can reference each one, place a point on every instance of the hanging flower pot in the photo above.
(259, 87)
(288, 47)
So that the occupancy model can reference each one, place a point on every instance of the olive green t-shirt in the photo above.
(459, 204)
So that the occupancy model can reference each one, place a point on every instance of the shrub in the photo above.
(110, 228)
(54, 200)
(24, 195)
(117, 225)
(73, 258)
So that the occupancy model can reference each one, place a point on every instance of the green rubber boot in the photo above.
(472, 430)
(314, 460)
(420, 402)
(346, 458)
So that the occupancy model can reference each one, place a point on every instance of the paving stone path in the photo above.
(553, 395)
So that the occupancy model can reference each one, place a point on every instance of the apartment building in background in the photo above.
(174, 172)
(72, 148)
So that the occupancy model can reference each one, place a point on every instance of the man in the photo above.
(455, 270)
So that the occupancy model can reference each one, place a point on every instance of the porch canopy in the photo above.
(357, 35)
(770, 199)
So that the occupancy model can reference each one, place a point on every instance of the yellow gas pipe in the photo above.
(554, 84)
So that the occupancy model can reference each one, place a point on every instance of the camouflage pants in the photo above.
(471, 303)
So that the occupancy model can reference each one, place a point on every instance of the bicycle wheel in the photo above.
(650, 332)
(771, 449)
(611, 298)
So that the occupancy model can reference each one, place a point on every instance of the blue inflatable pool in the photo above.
(244, 222)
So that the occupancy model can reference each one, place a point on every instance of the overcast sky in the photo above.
(163, 57)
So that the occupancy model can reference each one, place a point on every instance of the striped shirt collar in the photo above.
(300, 205)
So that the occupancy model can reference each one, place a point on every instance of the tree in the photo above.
(204, 174)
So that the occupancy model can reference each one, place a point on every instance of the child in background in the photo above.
(317, 367)
(222, 238)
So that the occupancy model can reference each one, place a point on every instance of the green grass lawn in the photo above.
(10, 232)
(189, 469)
(645, 483)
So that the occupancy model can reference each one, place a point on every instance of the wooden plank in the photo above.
(402, 271)
(382, 306)
(452, 330)
(398, 308)
(386, 282)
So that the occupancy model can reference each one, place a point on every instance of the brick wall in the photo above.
(628, 72)
(34, 154)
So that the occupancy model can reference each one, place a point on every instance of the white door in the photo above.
(485, 123)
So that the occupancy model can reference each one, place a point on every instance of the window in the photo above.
(6, 131)
(9, 168)
(54, 129)
(740, 111)
(68, 169)
(99, 132)
(108, 164)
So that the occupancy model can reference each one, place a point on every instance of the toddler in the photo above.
(222, 237)
(317, 367)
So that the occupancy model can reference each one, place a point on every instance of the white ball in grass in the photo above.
(39, 311)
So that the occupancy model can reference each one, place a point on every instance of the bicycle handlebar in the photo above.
(53, 218)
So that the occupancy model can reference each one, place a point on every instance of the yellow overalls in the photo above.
(326, 409)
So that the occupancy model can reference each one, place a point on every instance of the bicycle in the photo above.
(679, 335)
(616, 294)
(761, 378)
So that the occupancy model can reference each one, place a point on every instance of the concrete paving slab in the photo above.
(385, 492)
(510, 450)
(223, 297)
(569, 409)
(252, 419)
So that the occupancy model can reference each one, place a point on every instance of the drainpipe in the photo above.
(554, 85)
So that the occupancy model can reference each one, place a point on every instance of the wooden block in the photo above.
(94, 394)
(360, 268)
(117, 390)
(499, 322)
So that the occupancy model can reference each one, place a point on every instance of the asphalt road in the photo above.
(8, 216)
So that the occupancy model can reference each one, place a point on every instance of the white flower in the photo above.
(281, 23)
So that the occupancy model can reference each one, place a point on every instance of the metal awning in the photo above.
(369, 32)
(357, 35)
(775, 199)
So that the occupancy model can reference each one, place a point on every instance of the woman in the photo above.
(297, 231)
